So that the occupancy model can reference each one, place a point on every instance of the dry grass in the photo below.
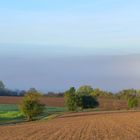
(85, 126)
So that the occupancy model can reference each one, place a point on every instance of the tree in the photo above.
(31, 106)
(71, 99)
(2, 86)
(32, 90)
(85, 90)
(88, 101)
(127, 94)
(80, 100)
(3, 90)
(132, 102)
(101, 94)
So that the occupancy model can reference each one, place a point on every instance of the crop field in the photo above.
(78, 126)
(105, 104)
(49, 101)
(9, 113)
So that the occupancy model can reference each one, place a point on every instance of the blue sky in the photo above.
(55, 44)
(80, 23)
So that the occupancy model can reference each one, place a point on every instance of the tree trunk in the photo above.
(29, 118)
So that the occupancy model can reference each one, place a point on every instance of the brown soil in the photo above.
(78, 126)
(50, 101)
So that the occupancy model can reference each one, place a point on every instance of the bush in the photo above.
(132, 102)
(73, 101)
(87, 101)
(70, 99)
(31, 106)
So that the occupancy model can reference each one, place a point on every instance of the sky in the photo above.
(81, 23)
(38, 33)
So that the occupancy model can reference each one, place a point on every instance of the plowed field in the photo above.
(105, 104)
(49, 101)
(78, 126)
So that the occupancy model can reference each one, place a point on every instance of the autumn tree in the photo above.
(31, 105)
(85, 90)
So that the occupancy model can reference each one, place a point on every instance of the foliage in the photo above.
(88, 101)
(132, 102)
(127, 94)
(2, 86)
(75, 100)
(10, 113)
(71, 99)
(31, 106)
(100, 93)
(84, 90)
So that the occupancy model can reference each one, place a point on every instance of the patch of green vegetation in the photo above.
(10, 116)
(51, 110)
(8, 107)
(11, 113)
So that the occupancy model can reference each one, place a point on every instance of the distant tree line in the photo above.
(83, 94)
(86, 97)
(54, 94)
(7, 92)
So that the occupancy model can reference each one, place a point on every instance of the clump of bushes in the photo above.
(79, 100)
(132, 102)
(88, 101)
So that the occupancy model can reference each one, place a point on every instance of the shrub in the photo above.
(88, 101)
(31, 106)
(132, 102)
(70, 99)
(74, 100)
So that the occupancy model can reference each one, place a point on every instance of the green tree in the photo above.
(71, 99)
(80, 100)
(127, 94)
(101, 94)
(88, 101)
(132, 102)
(85, 90)
(31, 106)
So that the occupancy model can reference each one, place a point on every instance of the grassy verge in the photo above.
(11, 114)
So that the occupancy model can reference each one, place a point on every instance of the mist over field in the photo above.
(53, 45)
(57, 71)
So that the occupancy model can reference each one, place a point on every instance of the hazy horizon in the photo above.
(57, 71)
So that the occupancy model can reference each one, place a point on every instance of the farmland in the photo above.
(83, 114)
(104, 104)
(9, 113)
(49, 101)
(57, 124)
(82, 126)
